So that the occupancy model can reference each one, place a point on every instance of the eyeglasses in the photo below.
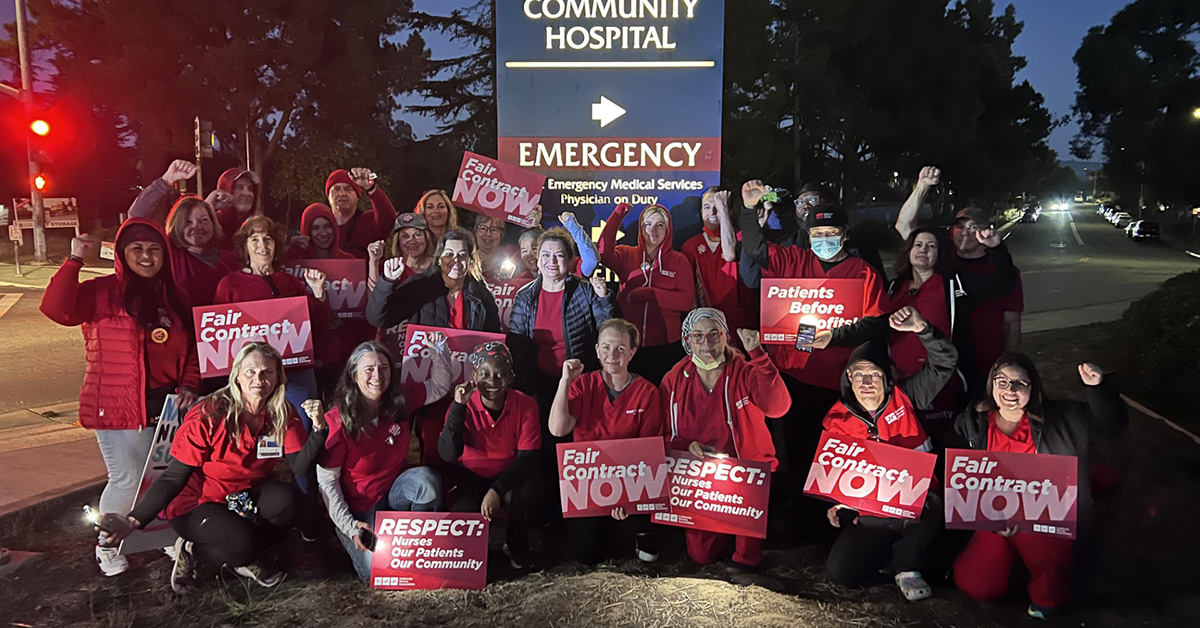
(971, 227)
(1014, 385)
(810, 200)
(861, 377)
(713, 337)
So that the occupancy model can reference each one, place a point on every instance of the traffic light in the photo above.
(40, 127)
(39, 141)
(39, 182)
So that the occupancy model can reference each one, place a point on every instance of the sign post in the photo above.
(614, 102)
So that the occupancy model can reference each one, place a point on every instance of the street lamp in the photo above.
(1196, 113)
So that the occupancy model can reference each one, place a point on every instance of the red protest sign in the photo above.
(429, 550)
(596, 477)
(505, 293)
(823, 303)
(345, 283)
(416, 359)
(996, 490)
(725, 495)
(498, 189)
(222, 330)
(870, 477)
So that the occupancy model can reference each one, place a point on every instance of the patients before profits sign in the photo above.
(497, 189)
(222, 330)
(596, 477)
(718, 494)
(870, 477)
(996, 490)
(826, 304)
(429, 550)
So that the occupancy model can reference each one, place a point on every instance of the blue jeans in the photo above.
(418, 489)
(302, 386)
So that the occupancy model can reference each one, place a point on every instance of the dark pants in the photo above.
(877, 543)
(801, 431)
(654, 362)
(221, 537)
(525, 503)
(587, 537)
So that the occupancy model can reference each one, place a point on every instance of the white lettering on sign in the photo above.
(610, 36)
(586, 154)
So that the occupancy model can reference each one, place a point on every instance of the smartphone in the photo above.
(805, 334)
(846, 516)
(368, 539)
(93, 518)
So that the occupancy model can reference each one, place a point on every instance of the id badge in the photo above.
(269, 448)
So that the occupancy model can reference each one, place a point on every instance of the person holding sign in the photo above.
(144, 326)
(875, 406)
(714, 255)
(364, 467)
(439, 212)
(493, 436)
(608, 404)
(658, 285)
(358, 229)
(319, 236)
(497, 261)
(217, 489)
(1014, 415)
(452, 294)
(714, 404)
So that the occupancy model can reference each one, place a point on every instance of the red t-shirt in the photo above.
(456, 311)
(490, 446)
(548, 333)
(908, 353)
(1019, 442)
(165, 360)
(224, 467)
(987, 319)
(718, 283)
(703, 420)
(635, 413)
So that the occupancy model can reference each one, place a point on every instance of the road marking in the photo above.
(1073, 229)
(7, 301)
(1150, 413)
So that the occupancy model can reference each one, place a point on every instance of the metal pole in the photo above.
(35, 195)
(199, 161)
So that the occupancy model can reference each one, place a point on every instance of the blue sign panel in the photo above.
(614, 100)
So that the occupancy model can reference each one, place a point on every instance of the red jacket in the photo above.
(197, 279)
(311, 213)
(655, 293)
(719, 286)
(367, 227)
(754, 390)
(229, 217)
(113, 396)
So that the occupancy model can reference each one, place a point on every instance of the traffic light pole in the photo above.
(35, 195)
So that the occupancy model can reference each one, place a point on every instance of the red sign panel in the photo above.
(345, 283)
(505, 293)
(725, 495)
(429, 550)
(870, 477)
(498, 189)
(823, 303)
(222, 330)
(596, 477)
(416, 359)
(996, 490)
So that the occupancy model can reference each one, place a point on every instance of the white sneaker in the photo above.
(111, 562)
(169, 551)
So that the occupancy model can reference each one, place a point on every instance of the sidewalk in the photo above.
(37, 276)
(44, 455)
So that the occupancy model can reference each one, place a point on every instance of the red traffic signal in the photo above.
(40, 127)
(39, 182)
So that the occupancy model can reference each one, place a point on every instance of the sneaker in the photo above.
(645, 548)
(913, 586)
(111, 562)
(169, 551)
(262, 573)
(520, 559)
(1040, 612)
(183, 573)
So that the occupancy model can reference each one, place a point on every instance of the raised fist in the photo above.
(988, 237)
(362, 178)
(750, 339)
(463, 392)
(179, 170)
(571, 369)
(752, 192)
(599, 285)
(316, 281)
(219, 199)
(1090, 374)
(908, 318)
(83, 246)
(930, 175)
(393, 269)
(312, 407)
(375, 249)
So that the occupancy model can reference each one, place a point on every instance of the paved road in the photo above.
(41, 363)
(1077, 268)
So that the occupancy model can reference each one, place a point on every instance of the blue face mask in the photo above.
(827, 247)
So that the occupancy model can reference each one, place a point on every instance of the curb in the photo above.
(47, 504)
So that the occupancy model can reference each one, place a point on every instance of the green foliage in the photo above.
(1160, 335)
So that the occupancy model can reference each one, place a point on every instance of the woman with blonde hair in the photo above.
(439, 212)
(217, 489)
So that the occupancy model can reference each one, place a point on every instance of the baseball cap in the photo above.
(409, 219)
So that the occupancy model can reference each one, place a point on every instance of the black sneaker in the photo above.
(262, 573)
(183, 573)
(520, 559)
(645, 547)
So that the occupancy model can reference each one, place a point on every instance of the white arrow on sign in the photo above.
(606, 111)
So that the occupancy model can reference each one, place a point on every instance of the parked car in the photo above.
(1120, 219)
(1031, 215)
(1130, 227)
(1078, 198)
(1146, 230)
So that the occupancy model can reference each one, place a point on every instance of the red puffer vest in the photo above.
(113, 396)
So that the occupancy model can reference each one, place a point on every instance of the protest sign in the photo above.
(996, 490)
(505, 293)
(498, 189)
(158, 533)
(345, 283)
(417, 359)
(597, 476)
(717, 494)
(871, 477)
(429, 550)
(823, 303)
(222, 330)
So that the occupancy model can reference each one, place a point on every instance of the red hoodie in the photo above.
(122, 361)
(655, 292)
(753, 390)
(229, 217)
(311, 213)
(719, 286)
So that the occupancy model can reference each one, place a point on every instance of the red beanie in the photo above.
(341, 176)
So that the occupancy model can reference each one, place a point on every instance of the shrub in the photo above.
(1160, 334)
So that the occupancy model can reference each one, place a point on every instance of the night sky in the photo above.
(1053, 31)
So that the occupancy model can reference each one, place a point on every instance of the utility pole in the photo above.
(35, 169)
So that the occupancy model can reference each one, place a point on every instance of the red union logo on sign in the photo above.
(724, 495)
(596, 477)
(345, 282)
(429, 550)
(222, 330)
(497, 189)
(417, 359)
(996, 490)
(873, 478)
